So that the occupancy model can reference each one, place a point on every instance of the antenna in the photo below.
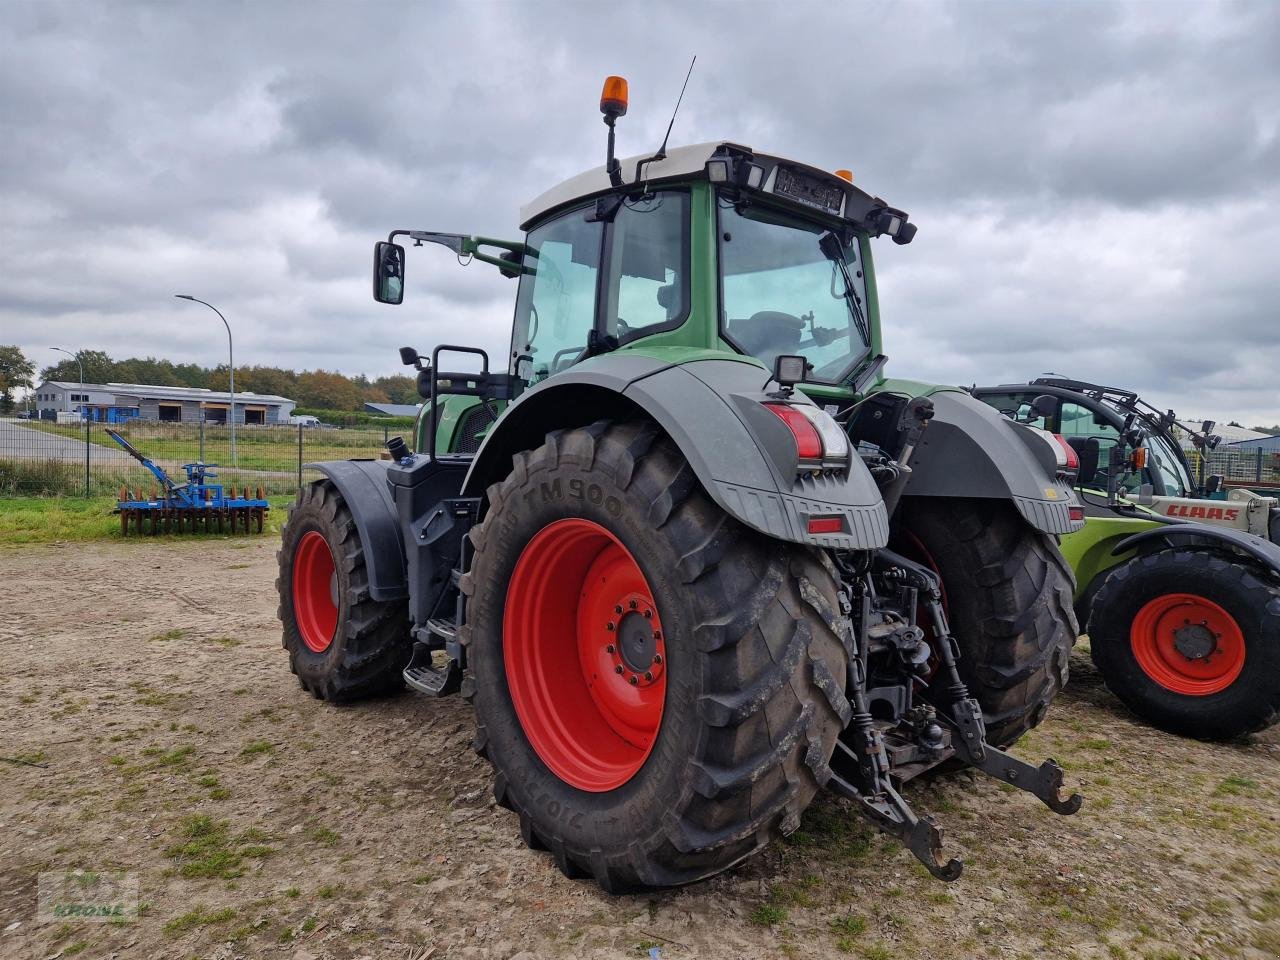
(662, 150)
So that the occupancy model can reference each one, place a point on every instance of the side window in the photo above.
(1078, 421)
(648, 266)
(556, 303)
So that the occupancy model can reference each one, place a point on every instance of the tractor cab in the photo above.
(709, 247)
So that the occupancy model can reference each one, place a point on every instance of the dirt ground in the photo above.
(147, 682)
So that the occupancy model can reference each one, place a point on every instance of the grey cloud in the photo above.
(1095, 184)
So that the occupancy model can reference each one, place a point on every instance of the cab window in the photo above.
(648, 265)
(1075, 421)
(556, 303)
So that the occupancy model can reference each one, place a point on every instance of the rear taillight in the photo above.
(819, 439)
(1069, 460)
(808, 440)
(1075, 512)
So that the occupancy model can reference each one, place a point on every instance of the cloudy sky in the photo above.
(1097, 186)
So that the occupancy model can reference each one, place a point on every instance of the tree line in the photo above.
(313, 389)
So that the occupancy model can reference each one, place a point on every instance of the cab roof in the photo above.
(681, 163)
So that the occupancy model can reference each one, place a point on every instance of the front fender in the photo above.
(711, 410)
(363, 485)
(1179, 534)
(971, 450)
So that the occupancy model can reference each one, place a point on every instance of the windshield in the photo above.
(782, 294)
(1169, 466)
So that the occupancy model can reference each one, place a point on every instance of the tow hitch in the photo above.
(875, 757)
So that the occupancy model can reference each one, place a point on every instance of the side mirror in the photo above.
(388, 272)
(1087, 453)
(408, 356)
(1213, 484)
(1043, 406)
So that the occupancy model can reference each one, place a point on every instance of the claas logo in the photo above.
(1202, 513)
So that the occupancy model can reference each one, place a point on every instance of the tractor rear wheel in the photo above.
(342, 644)
(658, 688)
(1190, 642)
(1007, 591)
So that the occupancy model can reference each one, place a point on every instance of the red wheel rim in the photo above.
(584, 654)
(1187, 644)
(315, 591)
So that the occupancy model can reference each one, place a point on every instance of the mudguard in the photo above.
(742, 454)
(1174, 533)
(970, 450)
(363, 485)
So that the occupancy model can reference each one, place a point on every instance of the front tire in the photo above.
(342, 644)
(1008, 600)
(1190, 642)
(662, 772)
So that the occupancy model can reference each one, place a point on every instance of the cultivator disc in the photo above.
(209, 514)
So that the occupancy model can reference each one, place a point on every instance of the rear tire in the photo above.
(342, 645)
(1008, 598)
(1142, 606)
(753, 654)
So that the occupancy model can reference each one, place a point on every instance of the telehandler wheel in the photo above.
(342, 645)
(658, 688)
(1008, 599)
(1190, 642)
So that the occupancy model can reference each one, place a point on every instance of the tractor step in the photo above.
(425, 677)
(446, 630)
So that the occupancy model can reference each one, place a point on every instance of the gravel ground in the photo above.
(151, 725)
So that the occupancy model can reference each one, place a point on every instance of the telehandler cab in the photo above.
(687, 552)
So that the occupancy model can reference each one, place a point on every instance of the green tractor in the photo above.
(686, 551)
(1179, 593)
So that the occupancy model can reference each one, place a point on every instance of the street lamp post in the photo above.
(85, 412)
(231, 368)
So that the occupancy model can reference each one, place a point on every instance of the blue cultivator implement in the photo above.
(191, 507)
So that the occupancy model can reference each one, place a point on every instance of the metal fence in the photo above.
(45, 459)
(1256, 467)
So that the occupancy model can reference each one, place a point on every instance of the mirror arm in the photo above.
(468, 246)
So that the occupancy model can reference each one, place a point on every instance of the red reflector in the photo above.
(1073, 461)
(808, 442)
(826, 525)
(1076, 513)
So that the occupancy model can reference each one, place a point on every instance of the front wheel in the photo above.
(1190, 642)
(658, 688)
(342, 644)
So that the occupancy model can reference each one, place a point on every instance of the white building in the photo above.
(113, 402)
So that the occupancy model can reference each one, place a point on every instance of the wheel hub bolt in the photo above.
(609, 648)
(657, 658)
(648, 675)
(657, 635)
(634, 679)
(618, 668)
(633, 604)
(618, 608)
(609, 626)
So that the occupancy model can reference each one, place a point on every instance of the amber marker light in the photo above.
(613, 99)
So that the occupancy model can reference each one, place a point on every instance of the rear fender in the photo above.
(971, 450)
(363, 485)
(711, 410)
